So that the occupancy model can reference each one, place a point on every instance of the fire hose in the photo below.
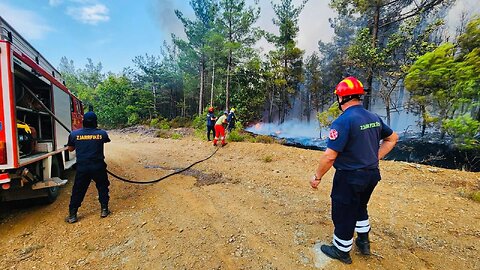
(111, 173)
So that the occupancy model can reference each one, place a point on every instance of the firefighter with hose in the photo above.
(220, 129)
(88, 143)
(354, 149)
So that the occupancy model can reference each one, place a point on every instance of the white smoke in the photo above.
(292, 128)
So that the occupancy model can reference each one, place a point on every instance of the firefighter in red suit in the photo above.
(220, 129)
(354, 149)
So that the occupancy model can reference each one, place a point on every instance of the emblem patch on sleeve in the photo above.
(333, 135)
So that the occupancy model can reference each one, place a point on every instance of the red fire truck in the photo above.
(35, 111)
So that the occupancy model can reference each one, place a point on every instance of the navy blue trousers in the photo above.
(212, 129)
(82, 181)
(351, 192)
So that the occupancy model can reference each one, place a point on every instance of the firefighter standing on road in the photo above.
(220, 129)
(231, 119)
(353, 149)
(210, 122)
(88, 143)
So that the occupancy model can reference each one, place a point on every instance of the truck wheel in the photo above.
(52, 193)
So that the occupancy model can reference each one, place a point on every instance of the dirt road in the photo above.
(248, 207)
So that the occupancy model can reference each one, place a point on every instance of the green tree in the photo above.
(82, 82)
(334, 59)
(383, 17)
(236, 24)
(430, 81)
(463, 129)
(249, 96)
(468, 70)
(313, 84)
(147, 76)
(403, 48)
(197, 32)
(118, 103)
(326, 118)
(287, 53)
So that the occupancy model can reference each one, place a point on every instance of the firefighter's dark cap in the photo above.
(90, 117)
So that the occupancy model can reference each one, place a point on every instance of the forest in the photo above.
(394, 46)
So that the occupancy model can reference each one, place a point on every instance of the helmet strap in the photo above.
(346, 99)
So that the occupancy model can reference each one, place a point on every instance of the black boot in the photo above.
(72, 215)
(334, 253)
(104, 212)
(363, 243)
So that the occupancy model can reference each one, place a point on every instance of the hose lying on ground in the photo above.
(109, 172)
(163, 177)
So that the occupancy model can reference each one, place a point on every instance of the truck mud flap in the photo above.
(50, 182)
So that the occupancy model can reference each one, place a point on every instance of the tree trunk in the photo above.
(387, 109)
(200, 96)
(424, 121)
(368, 86)
(270, 109)
(184, 107)
(173, 112)
(213, 81)
(478, 113)
(227, 84)
(154, 90)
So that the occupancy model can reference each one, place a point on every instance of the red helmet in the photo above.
(210, 109)
(349, 86)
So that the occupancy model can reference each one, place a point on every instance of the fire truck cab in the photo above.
(35, 110)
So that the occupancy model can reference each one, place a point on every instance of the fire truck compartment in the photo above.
(35, 126)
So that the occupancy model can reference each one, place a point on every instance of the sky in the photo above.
(113, 32)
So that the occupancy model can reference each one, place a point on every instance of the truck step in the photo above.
(50, 182)
(70, 163)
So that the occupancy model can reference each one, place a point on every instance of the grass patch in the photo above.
(264, 139)
(160, 123)
(475, 196)
(176, 136)
(267, 159)
(236, 136)
(179, 122)
(162, 133)
(201, 134)
(472, 195)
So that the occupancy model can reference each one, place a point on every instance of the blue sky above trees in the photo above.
(114, 32)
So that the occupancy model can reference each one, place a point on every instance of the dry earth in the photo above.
(248, 207)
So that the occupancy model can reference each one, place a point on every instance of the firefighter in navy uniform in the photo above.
(88, 143)
(354, 150)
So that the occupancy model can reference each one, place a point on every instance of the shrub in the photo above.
(264, 139)
(162, 133)
(133, 119)
(200, 122)
(463, 129)
(236, 136)
(176, 136)
(154, 122)
(475, 196)
(163, 124)
(201, 134)
(178, 122)
(160, 123)
(267, 159)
